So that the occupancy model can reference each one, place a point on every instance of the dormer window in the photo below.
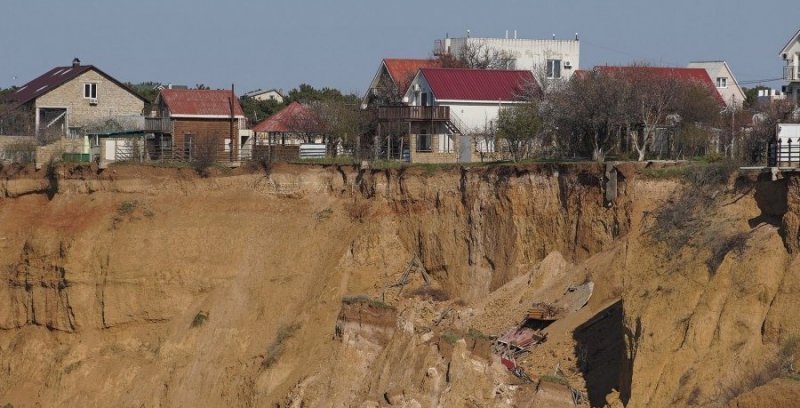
(90, 90)
(722, 82)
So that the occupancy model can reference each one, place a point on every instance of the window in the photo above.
(90, 90)
(424, 143)
(722, 82)
(553, 68)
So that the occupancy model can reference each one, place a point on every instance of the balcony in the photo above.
(414, 113)
(158, 125)
(791, 73)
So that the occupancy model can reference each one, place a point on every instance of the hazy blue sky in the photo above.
(266, 44)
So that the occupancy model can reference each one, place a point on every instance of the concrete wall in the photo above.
(529, 54)
(112, 100)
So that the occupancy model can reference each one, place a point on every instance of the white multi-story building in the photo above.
(791, 70)
(551, 59)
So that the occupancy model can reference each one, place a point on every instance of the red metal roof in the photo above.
(402, 71)
(282, 120)
(200, 102)
(53, 79)
(478, 84)
(698, 75)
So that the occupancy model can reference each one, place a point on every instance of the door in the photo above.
(464, 149)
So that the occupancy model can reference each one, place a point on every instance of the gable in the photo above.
(792, 46)
(55, 78)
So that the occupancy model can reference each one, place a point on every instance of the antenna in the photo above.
(468, 33)
(576, 36)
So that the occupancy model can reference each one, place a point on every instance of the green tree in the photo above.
(257, 110)
(520, 127)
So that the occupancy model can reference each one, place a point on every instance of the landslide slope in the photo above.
(152, 287)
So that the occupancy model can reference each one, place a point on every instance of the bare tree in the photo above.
(477, 54)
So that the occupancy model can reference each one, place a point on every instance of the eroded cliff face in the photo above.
(153, 287)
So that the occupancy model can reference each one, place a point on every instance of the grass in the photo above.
(72, 367)
(323, 214)
(364, 299)
(554, 379)
(276, 348)
(477, 334)
(437, 295)
(199, 319)
(450, 337)
(127, 207)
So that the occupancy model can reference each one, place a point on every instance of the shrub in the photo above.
(127, 207)
(450, 337)
(437, 295)
(364, 299)
(554, 379)
(477, 334)
(199, 319)
(735, 243)
(276, 348)
(323, 214)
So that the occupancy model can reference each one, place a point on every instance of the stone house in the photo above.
(73, 100)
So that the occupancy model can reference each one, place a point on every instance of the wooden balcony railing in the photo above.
(414, 113)
(158, 125)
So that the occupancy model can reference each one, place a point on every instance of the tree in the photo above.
(519, 126)
(257, 110)
(477, 54)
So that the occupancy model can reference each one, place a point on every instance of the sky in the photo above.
(269, 44)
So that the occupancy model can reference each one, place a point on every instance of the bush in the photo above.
(276, 348)
(364, 299)
(554, 379)
(437, 295)
(199, 319)
(451, 337)
(127, 207)
(735, 243)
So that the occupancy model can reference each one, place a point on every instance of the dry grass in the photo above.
(437, 295)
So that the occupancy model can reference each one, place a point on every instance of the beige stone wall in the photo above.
(112, 100)
(434, 156)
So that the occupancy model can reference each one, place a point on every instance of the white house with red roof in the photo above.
(187, 123)
(448, 107)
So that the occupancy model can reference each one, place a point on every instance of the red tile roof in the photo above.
(697, 75)
(53, 79)
(282, 120)
(477, 84)
(200, 102)
(402, 71)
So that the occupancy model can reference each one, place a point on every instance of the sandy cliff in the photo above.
(153, 287)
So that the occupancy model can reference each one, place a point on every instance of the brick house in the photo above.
(72, 100)
(188, 123)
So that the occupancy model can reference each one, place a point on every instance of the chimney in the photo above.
(76, 63)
